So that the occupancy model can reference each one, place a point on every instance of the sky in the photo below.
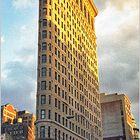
(117, 28)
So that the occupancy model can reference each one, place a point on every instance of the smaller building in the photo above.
(5, 136)
(117, 120)
(18, 131)
(27, 118)
(8, 113)
(18, 124)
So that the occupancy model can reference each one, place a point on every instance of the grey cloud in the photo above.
(19, 86)
(19, 83)
(119, 66)
(118, 55)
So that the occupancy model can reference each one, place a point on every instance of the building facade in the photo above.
(68, 102)
(18, 131)
(117, 118)
(18, 124)
(5, 136)
(135, 129)
(8, 113)
(27, 118)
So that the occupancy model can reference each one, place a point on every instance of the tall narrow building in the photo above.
(68, 102)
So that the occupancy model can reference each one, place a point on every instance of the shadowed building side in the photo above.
(117, 119)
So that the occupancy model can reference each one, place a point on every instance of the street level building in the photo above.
(117, 118)
(8, 113)
(18, 124)
(18, 131)
(5, 136)
(68, 101)
(27, 118)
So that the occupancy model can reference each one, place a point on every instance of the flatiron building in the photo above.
(68, 101)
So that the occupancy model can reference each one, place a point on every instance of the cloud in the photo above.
(118, 4)
(18, 87)
(118, 49)
(2, 39)
(19, 74)
(22, 4)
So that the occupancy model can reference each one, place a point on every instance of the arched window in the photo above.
(44, 34)
(44, 46)
(44, 58)
(43, 71)
(44, 22)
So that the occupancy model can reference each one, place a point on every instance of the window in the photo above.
(44, 22)
(85, 11)
(50, 23)
(49, 114)
(59, 106)
(50, 72)
(55, 134)
(44, 11)
(55, 116)
(50, 86)
(44, 34)
(88, 17)
(44, 46)
(43, 99)
(50, 35)
(49, 99)
(58, 78)
(49, 130)
(58, 66)
(50, 59)
(55, 102)
(55, 63)
(59, 118)
(55, 39)
(58, 54)
(63, 136)
(66, 136)
(44, 1)
(50, 46)
(43, 71)
(44, 58)
(59, 91)
(43, 113)
(50, 12)
(58, 42)
(81, 5)
(55, 88)
(59, 135)
(55, 75)
(43, 85)
(50, 2)
(42, 132)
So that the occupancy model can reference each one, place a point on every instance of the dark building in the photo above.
(18, 131)
(18, 124)
(27, 118)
